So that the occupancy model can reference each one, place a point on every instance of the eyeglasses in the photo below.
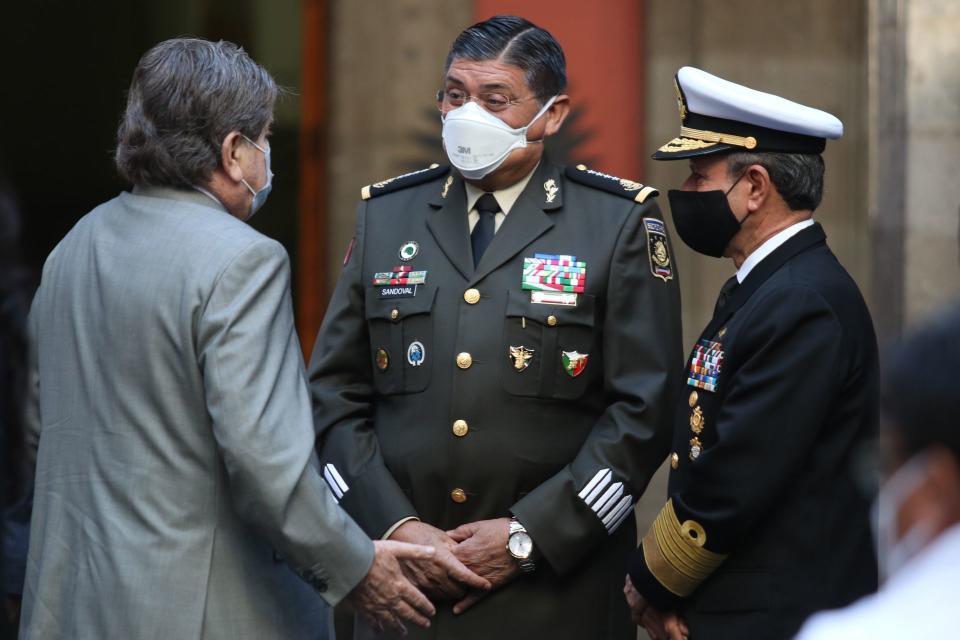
(490, 101)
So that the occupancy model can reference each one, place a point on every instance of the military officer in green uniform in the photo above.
(495, 370)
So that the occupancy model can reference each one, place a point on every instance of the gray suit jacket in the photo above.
(175, 463)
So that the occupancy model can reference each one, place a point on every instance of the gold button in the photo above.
(674, 460)
(552, 321)
(460, 428)
(458, 495)
(692, 401)
(394, 314)
(471, 296)
(464, 360)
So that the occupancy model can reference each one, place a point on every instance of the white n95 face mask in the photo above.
(477, 142)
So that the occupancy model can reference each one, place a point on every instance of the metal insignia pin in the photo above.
(409, 250)
(696, 448)
(446, 186)
(550, 186)
(520, 357)
(416, 354)
(574, 362)
(697, 421)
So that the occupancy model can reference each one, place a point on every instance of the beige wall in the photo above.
(931, 261)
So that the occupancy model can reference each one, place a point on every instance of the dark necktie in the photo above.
(483, 231)
(725, 292)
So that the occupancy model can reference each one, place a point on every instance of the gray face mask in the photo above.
(260, 197)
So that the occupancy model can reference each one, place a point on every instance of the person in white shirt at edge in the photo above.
(918, 510)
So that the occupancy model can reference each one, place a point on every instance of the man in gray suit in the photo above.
(176, 484)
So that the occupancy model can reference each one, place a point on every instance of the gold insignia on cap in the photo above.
(681, 105)
(685, 144)
(446, 186)
(550, 186)
(712, 136)
(676, 553)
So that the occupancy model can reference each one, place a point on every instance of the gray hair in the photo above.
(798, 177)
(186, 96)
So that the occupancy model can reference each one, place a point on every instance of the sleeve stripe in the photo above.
(338, 477)
(600, 486)
(600, 475)
(603, 505)
(334, 487)
(625, 504)
(619, 520)
(674, 553)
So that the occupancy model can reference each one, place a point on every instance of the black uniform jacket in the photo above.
(767, 518)
(423, 409)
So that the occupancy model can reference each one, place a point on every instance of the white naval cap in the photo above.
(717, 115)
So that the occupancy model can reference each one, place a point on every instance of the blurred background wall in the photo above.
(362, 76)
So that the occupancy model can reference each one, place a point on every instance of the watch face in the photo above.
(520, 545)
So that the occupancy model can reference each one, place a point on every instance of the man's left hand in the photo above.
(482, 546)
(659, 626)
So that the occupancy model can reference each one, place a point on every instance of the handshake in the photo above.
(421, 562)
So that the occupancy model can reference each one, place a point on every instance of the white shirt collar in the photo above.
(505, 197)
(768, 247)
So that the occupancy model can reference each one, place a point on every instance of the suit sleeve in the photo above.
(766, 428)
(577, 509)
(341, 379)
(257, 397)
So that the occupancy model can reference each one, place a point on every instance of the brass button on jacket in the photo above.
(458, 495)
(471, 296)
(464, 360)
(460, 428)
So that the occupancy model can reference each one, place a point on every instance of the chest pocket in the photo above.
(549, 331)
(401, 340)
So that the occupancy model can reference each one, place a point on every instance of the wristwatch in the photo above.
(520, 546)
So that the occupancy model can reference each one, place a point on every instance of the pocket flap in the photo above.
(519, 306)
(383, 308)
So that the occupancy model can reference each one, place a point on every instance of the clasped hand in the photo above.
(477, 549)
(659, 626)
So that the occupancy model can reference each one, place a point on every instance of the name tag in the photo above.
(397, 292)
(553, 297)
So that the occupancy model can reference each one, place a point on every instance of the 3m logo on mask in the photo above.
(492, 138)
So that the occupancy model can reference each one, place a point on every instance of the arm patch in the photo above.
(598, 180)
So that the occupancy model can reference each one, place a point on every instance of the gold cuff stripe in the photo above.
(726, 138)
(674, 556)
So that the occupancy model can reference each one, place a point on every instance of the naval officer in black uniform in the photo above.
(766, 519)
(495, 372)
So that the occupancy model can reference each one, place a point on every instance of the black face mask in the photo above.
(704, 220)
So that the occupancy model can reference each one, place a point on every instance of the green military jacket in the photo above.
(455, 394)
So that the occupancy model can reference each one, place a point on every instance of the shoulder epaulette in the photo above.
(402, 182)
(619, 186)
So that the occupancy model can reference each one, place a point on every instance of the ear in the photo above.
(230, 156)
(556, 114)
(761, 188)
